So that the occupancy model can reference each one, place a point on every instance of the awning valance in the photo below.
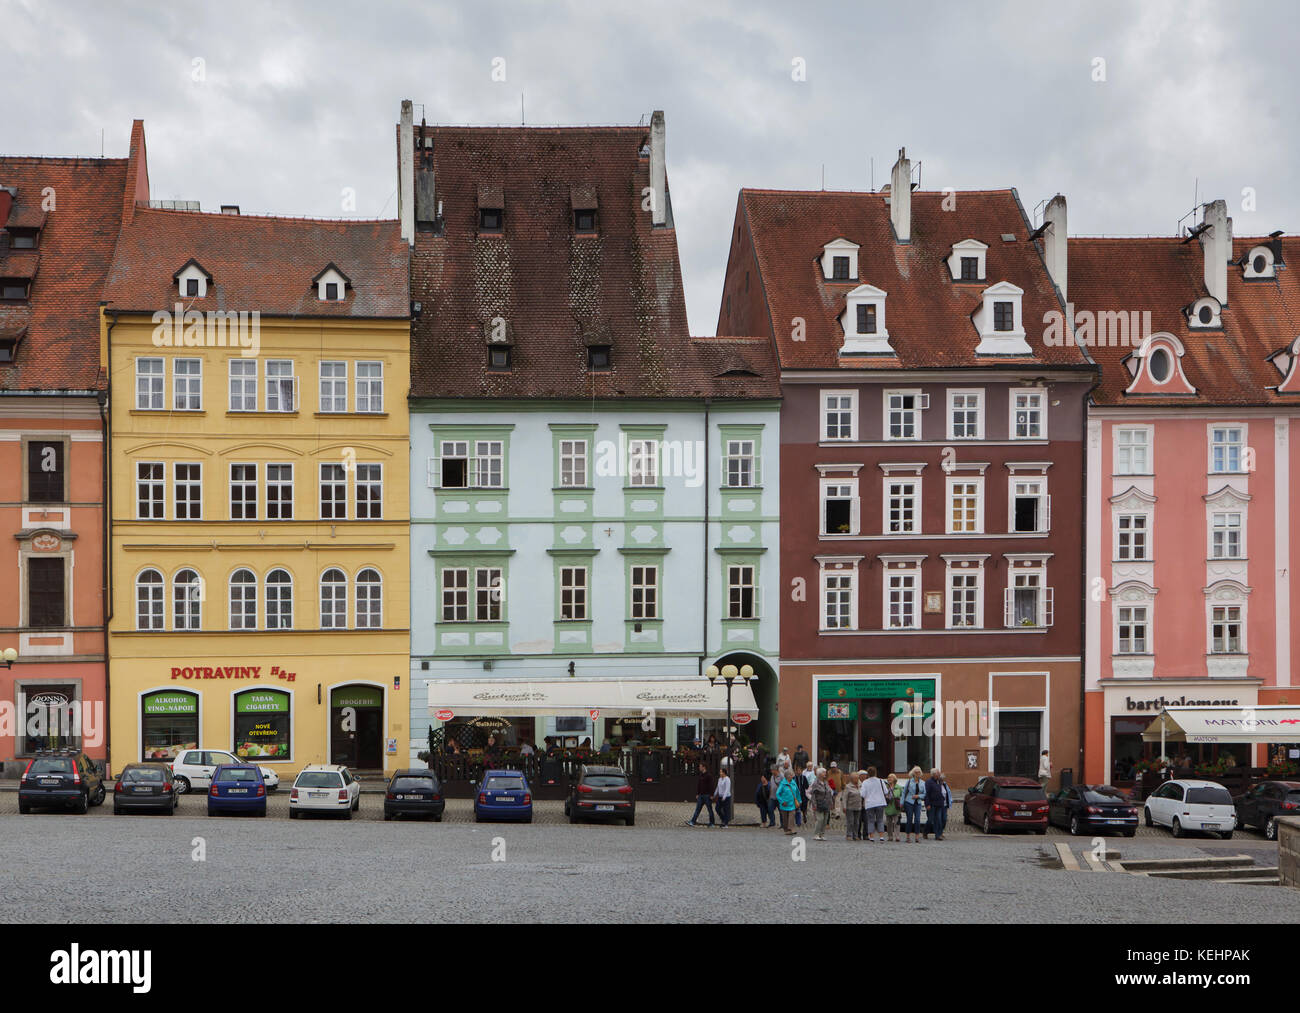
(612, 698)
(1225, 724)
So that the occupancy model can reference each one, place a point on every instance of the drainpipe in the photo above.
(704, 640)
(107, 561)
(1080, 776)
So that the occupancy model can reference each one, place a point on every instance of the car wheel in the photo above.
(116, 811)
(1270, 830)
(1074, 826)
(82, 805)
(1176, 828)
(1226, 835)
(293, 814)
(348, 815)
(388, 817)
(1131, 833)
(24, 808)
(988, 825)
(211, 813)
(1146, 811)
(631, 821)
(438, 818)
(965, 816)
(529, 820)
(573, 815)
(100, 794)
(181, 785)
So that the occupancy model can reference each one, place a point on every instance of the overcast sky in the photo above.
(292, 103)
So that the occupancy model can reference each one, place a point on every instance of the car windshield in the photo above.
(1208, 796)
(605, 780)
(1097, 796)
(319, 779)
(1016, 794)
(412, 784)
(1293, 796)
(505, 784)
(52, 765)
(236, 774)
(142, 775)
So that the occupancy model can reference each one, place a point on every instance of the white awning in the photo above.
(1225, 724)
(612, 698)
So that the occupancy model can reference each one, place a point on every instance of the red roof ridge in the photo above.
(58, 159)
(265, 217)
(531, 126)
(872, 193)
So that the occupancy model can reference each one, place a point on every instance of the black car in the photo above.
(65, 779)
(1260, 806)
(601, 793)
(145, 787)
(1093, 808)
(414, 792)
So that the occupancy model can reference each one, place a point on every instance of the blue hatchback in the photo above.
(503, 795)
(237, 788)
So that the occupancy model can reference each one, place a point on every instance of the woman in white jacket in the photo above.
(873, 804)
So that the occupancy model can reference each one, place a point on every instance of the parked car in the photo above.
(601, 793)
(237, 788)
(414, 792)
(1093, 808)
(145, 787)
(1262, 804)
(1184, 804)
(1003, 803)
(503, 795)
(325, 787)
(193, 768)
(61, 779)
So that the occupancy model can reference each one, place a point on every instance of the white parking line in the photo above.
(1067, 857)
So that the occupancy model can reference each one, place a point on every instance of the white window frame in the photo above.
(337, 480)
(824, 415)
(1126, 449)
(915, 505)
(1134, 529)
(279, 615)
(240, 381)
(144, 397)
(157, 490)
(370, 389)
(458, 602)
(460, 451)
(742, 585)
(950, 499)
(489, 594)
(643, 464)
(849, 574)
(1239, 446)
(195, 484)
(333, 388)
(192, 620)
(649, 608)
(338, 599)
(1040, 394)
(574, 464)
(366, 483)
(1211, 621)
(855, 505)
(1045, 611)
(187, 385)
(1133, 620)
(919, 404)
(1227, 529)
(281, 485)
(908, 590)
(489, 464)
(230, 598)
(277, 390)
(743, 453)
(1044, 508)
(974, 568)
(371, 594)
(244, 484)
(966, 392)
(157, 601)
(577, 591)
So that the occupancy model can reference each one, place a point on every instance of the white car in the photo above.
(192, 769)
(1192, 805)
(325, 787)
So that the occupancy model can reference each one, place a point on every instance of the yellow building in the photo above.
(258, 376)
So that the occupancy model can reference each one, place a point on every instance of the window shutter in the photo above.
(1008, 600)
(757, 474)
(1046, 523)
(433, 472)
(923, 401)
(294, 394)
(725, 480)
(855, 516)
(1047, 606)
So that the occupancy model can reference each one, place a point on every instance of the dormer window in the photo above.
(863, 320)
(14, 289)
(22, 239)
(1258, 264)
(1000, 322)
(499, 357)
(491, 219)
(192, 280)
(598, 358)
(1157, 367)
(1205, 314)
(331, 290)
(967, 259)
(584, 220)
(839, 261)
(331, 284)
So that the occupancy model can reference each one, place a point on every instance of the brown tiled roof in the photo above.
(259, 263)
(927, 315)
(1164, 275)
(560, 292)
(60, 349)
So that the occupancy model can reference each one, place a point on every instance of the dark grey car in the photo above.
(414, 792)
(601, 793)
(145, 787)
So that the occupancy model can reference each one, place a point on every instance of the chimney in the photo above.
(1216, 244)
(658, 168)
(1054, 243)
(230, 209)
(900, 197)
(406, 172)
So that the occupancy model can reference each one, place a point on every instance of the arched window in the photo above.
(187, 601)
(370, 610)
(333, 600)
(149, 600)
(279, 600)
(243, 600)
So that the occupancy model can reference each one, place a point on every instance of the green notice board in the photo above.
(874, 689)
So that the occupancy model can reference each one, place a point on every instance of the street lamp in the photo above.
(729, 674)
(9, 656)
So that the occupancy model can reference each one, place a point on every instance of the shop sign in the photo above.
(171, 703)
(839, 711)
(873, 689)
(262, 703)
(361, 696)
(742, 718)
(1160, 703)
(446, 714)
(594, 713)
(231, 672)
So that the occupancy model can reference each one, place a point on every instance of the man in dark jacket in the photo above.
(937, 801)
(703, 796)
(800, 759)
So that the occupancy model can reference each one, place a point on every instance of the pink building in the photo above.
(1192, 482)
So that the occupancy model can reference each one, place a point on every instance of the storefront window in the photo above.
(262, 725)
(50, 716)
(169, 723)
(857, 726)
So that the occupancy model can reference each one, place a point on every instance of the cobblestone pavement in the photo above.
(102, 868)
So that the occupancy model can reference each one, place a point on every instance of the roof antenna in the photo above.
(101, 142)
(873, 173)
(521, 109)
(823, 175)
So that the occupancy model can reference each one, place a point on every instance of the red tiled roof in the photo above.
(927, 315)
(60, 350)
(559, 292)
(1163, 275)
(259, 263)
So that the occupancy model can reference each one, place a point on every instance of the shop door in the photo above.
(1020, 737)
(357, 727)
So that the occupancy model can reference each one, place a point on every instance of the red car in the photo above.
(1001, 803)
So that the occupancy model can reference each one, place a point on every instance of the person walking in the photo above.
(703, 796)
(783, 758)
(874, 799)
(851, 801)
(800, 758)
(722, 794)
(807, 776)
(893, 807)
(775, 777)
(762, 795)
(913, 798)
(937, 799)
(787, 799)
(822, 799)
(1044, 769)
